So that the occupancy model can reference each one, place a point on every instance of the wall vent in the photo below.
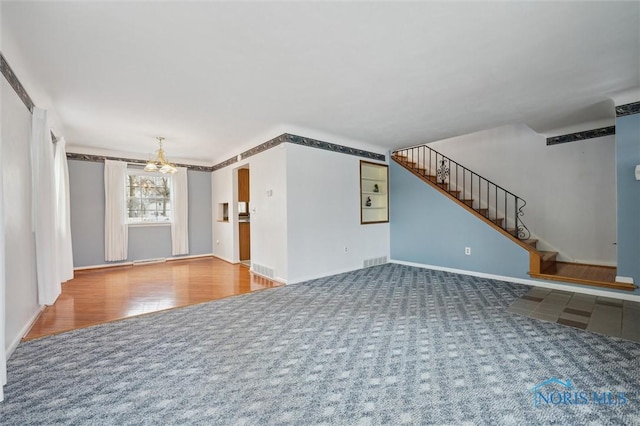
(375, 261)
(265, 271)
(149, 261)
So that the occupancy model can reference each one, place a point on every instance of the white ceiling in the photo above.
(218, 77)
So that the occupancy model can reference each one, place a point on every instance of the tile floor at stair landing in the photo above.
(604, 315)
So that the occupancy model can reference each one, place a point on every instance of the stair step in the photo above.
(483, 211)
(547, 255)
(532, 242)
(498, 221)
(402, 159)
(467, 201)
(547, 261)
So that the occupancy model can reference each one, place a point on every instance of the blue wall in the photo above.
(429, 228)
(86, 187)
(627, 156)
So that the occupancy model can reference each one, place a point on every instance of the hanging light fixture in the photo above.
(160, 164)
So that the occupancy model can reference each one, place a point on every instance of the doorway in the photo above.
(244, 216)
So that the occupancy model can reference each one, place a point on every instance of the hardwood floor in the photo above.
(103, 295)
(586, 272)
(591, 275)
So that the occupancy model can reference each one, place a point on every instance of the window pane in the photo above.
(148, 198)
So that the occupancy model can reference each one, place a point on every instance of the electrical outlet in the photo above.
(467, 251)
(346, 249)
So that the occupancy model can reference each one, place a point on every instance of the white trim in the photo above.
(233, 262)
(546, 284)
(325, 274)
(276, 279)
(23, 332)
(627, 280)
(168, 259)
(193, 256)
(106, 265)
(281, 280)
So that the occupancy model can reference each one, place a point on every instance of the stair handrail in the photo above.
(443, 174)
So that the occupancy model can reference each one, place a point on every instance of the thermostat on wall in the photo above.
(638, 172)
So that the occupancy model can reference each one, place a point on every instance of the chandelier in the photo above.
(160, 163)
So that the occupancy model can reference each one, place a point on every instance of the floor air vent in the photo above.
(149, 261)
(375, 261)
(263, 270)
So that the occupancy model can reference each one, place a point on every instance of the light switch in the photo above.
(638, 172)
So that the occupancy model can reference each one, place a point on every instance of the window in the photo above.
(148, 197)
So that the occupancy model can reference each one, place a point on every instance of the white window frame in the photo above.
(140, 172)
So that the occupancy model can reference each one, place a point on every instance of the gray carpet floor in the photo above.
(385, 345)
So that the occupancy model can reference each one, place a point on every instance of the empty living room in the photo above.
(310, 212)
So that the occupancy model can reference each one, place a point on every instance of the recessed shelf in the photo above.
(374, 192)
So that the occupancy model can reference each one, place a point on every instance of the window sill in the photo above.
(145, 224)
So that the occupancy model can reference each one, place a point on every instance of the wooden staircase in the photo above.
(542, 264)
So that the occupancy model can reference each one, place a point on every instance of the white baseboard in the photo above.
(276, 279)
(610, 264)
(536, 283)
(325, 274)
(106, 265)
(225, 259)
(23, 332)
(626, 280)
(195, 256)
(168, 259)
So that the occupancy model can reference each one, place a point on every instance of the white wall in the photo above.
(304, 212)
(21, 285)
(323, 212)
(569, 188)
(269, 215)
(223, 191)
(267, 171)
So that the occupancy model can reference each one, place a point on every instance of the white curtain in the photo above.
(63, 220)
(180, 213)
(43, 208)
(3, 364)
(116, 233)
